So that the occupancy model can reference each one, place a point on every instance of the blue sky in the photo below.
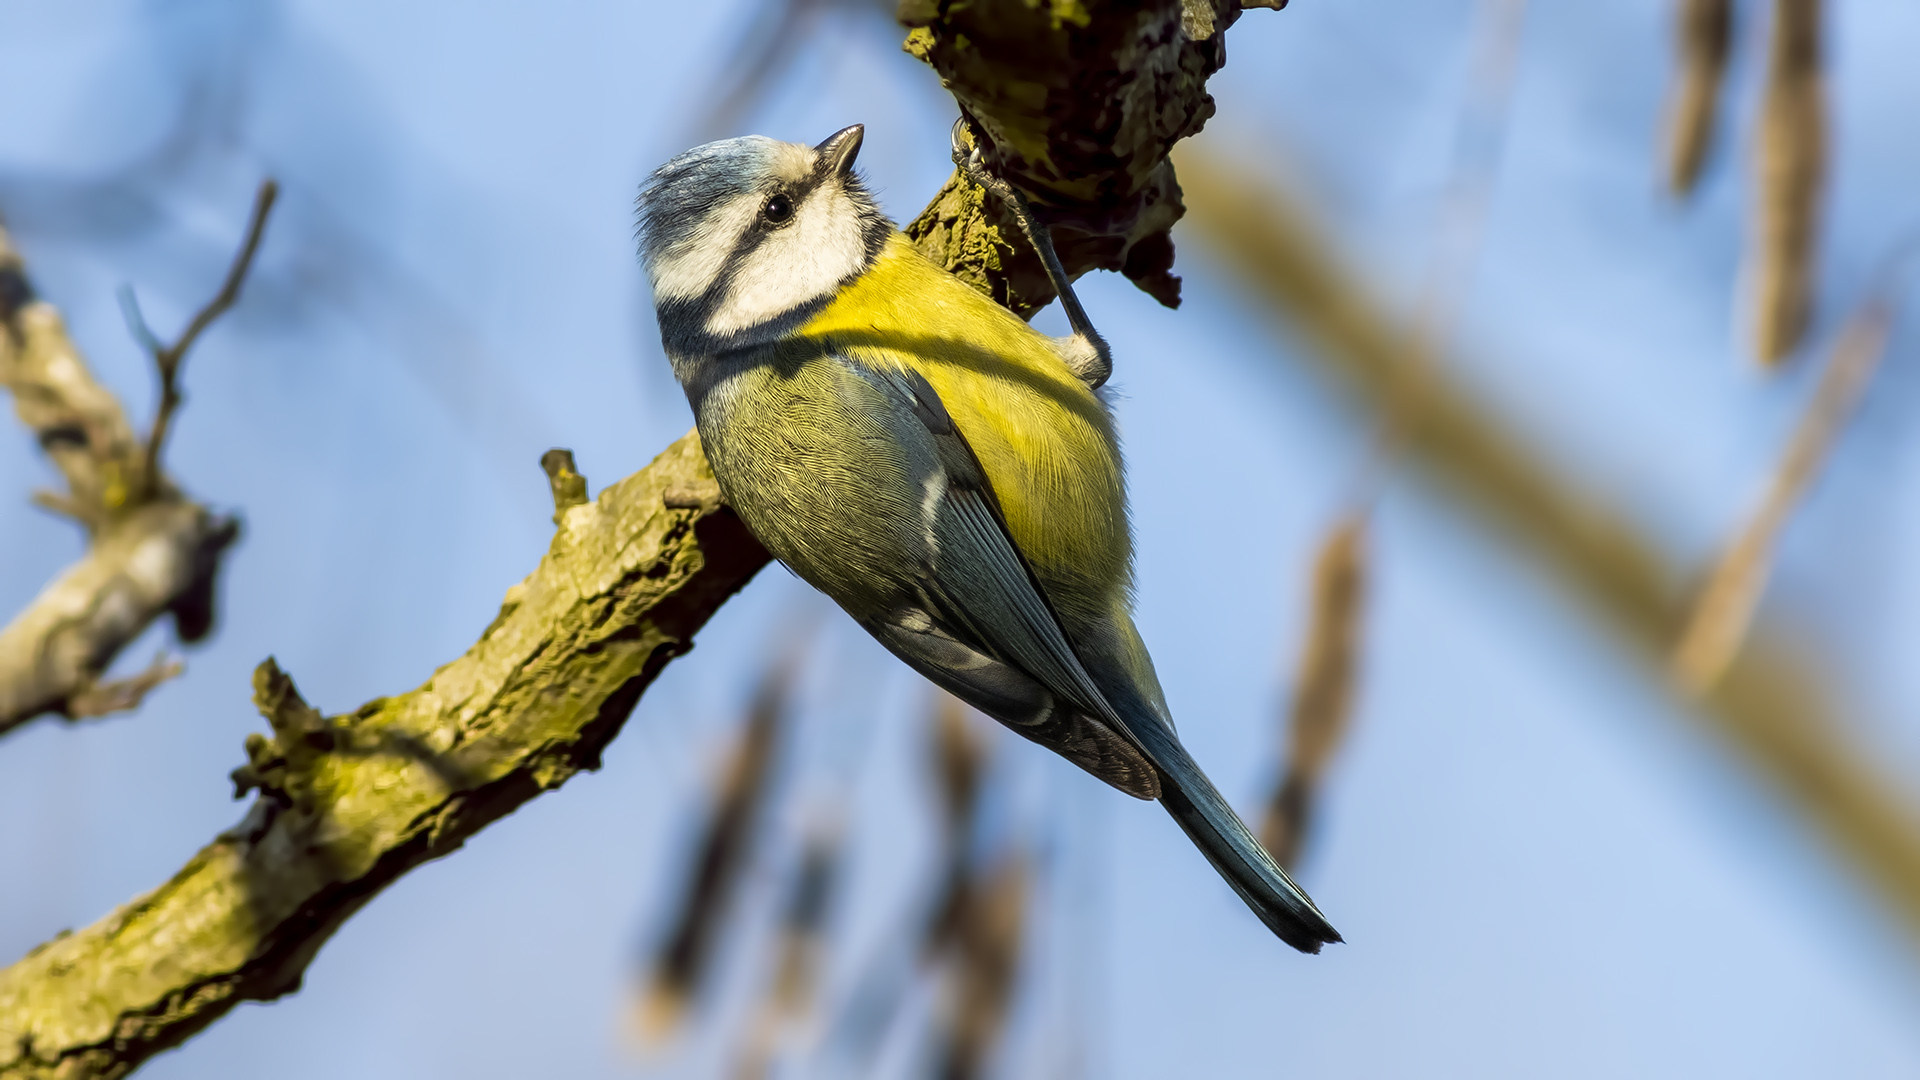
(1541, 865)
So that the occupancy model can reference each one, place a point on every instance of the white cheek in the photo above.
(809, 258)
(688, 269)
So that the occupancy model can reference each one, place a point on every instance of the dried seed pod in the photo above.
(985, 963)
(1323, 686)
(940, 917)
(1705, 32)
(681, 965)
(1791, 172)
(799, 951)
(959, 758)
(1726, 605)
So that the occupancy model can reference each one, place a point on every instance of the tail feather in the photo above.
(1228, 844)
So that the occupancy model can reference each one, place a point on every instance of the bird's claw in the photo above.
(971, 162)
(967, 158)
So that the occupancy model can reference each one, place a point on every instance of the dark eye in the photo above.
(778, 210)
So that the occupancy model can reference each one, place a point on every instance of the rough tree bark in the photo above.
(348, 803)
(1079, 102)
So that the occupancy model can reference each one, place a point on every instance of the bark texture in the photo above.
(1076, 103)
(346, 804)
(152, 550)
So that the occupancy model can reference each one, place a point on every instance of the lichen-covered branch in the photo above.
(151, 549)
(1077, 103)
(349, 803)
(1769, 707)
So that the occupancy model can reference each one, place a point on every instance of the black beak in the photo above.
(839, 149)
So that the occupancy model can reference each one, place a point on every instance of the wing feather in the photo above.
(983, 593)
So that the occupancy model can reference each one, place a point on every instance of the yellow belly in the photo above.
(1046, 443)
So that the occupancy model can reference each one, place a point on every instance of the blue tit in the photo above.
(938, 467)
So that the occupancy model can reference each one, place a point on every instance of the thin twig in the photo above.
(168, 359)
(1479, 139)
(1720, 619)
(123, 695)
(146, 557)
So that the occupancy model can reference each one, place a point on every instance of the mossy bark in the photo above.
(349, 803)
(1076, 103)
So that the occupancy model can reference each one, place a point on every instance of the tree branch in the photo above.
(167, 359)
(1078, 103)
(349, 803)
(151, 549)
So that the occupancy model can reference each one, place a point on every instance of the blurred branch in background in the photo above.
(1770, 707)
(1479, 141)
(762, 56)
(1704, 33)
(937, 918)
(349, 803)
(1790, 171)
(1725, 608)
(1325, 680)
(800, 951)
(681, 967)
(973, 933)
(151, 549)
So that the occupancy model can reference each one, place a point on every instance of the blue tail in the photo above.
(1219, 833)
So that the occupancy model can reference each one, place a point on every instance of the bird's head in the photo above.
(745, 239)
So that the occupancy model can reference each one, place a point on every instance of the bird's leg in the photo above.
(1085, 351)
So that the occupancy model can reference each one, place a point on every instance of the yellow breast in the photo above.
(1046, 443)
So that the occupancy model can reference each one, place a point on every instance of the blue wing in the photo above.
(985, 631)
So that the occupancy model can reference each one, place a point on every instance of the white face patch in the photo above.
(811, 256)
(690, 267)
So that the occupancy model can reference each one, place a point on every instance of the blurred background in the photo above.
(1545, 860)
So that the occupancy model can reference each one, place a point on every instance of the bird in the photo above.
(945, 472)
